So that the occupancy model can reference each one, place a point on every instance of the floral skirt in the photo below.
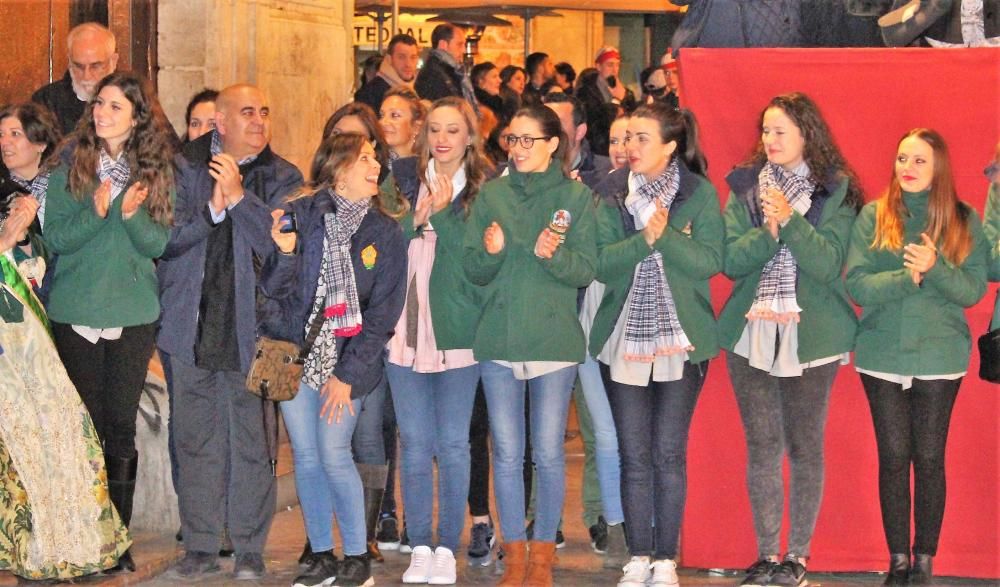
(56, 518)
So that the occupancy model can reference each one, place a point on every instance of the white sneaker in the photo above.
(635, 573)
(443, 567)
(420, 565)
(664, 573)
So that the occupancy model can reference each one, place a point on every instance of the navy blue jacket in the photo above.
(288, 287)
(182, 266)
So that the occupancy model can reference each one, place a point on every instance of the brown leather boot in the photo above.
(515, 562)
(542, 557)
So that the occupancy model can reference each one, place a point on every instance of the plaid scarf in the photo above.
(336, 292)
(775, 297)
(216, 148)
(651, 324)
(117, 171)
(37, 187)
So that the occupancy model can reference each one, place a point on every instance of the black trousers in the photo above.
(911, 427)
(109, 376)
(479, 479)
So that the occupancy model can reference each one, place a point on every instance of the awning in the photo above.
(502, 6)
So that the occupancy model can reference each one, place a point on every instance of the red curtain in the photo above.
(870, 98)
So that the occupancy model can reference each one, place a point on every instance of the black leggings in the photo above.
(911, 427)
(109, 376)
(479, 480)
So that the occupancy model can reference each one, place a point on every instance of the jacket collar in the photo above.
(199, 152)
(538, 181)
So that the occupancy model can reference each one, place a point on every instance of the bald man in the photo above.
(92, 53)
(228, 181)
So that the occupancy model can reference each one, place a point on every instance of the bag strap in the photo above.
(314, 329)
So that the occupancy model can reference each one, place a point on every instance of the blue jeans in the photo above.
(605, 440)
(325, 476)
(549, 406)
(433, 412)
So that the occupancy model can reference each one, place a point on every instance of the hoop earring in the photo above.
(340, 187)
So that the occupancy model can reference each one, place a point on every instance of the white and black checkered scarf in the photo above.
(336, 292)
(651, 324)
(775, 297)
(37, 187)
(117, 171)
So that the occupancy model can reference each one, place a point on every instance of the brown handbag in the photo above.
(276, 369)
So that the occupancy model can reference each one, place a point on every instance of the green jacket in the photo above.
(692, 249)
(455, 302)
(991, 229)
(104, 277)
(529, 313)
(827, 322)
(908, 329)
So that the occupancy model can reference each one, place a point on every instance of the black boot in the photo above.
(921, 572)
(373, 480)
(899, 569)
(121, 489)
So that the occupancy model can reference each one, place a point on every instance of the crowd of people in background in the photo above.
(473, 247)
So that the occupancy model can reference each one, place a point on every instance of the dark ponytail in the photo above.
(680, 126)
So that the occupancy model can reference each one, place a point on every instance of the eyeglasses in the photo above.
(526, 141)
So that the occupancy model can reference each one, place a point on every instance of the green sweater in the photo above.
(104, 277)
(529, 313)
(908, 329)
(827, 321)
(692, 249)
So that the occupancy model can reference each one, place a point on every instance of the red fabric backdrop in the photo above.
(870, 98)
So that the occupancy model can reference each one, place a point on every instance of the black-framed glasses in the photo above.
(526, 141)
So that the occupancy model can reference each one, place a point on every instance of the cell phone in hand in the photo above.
(286, 224)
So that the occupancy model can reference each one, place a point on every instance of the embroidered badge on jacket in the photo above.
(368, 256)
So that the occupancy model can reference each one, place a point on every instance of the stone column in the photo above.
(299, 52)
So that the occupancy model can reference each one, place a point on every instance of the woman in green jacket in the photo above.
(530, 239)
(991, 227)
(660, 239)
(788, 325)
(109, 211)
(917, 259)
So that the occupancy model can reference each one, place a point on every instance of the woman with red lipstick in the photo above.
(660, 239)
(530, 240)
(788, 325)
(108, 215)
(917, 258)
(431, 369)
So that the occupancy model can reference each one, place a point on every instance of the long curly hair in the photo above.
(821, 154)
(947, 218)
(477, 166)
(149, 148)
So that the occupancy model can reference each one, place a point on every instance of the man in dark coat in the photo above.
(604, 97)
(228, 181)
(92, 56)
(398, 69)
(443, 73)
(589, 168)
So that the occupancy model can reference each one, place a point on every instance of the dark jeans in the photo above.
(368, 442)
(389, 441)
(911, 427)
(479, 433)
(779, 414)
(109, 376)
(652, 424)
